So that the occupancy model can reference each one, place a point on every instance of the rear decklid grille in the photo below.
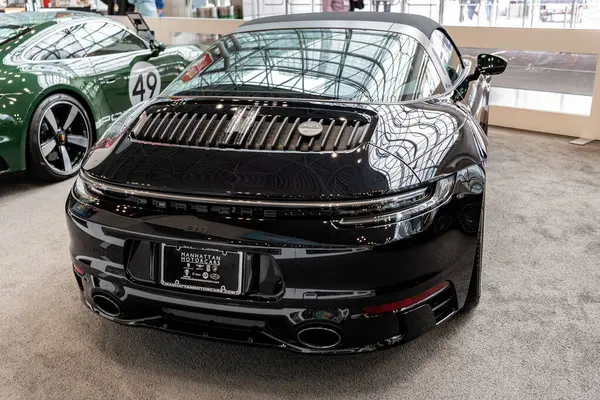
(254, 127)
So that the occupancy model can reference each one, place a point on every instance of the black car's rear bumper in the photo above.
(269, 327)
(306, 274)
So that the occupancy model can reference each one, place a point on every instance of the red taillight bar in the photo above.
(407, 302)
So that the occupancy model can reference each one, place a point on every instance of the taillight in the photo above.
(412, 204)
(407, 302)
(78, 270)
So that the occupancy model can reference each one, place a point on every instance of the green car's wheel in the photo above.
(59, 137)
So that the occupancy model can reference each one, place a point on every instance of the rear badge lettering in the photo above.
(107, 119)
(196, 229)
(241, 212)
(310, 128)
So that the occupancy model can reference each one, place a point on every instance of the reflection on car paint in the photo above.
(359, 249)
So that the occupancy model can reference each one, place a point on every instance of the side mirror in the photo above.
(489, 64)
(156, 47)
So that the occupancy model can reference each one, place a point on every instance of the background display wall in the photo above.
(552, 78)
(550, 86)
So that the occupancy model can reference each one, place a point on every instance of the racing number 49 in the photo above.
(145, 82)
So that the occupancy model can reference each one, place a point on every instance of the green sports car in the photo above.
(64, 77)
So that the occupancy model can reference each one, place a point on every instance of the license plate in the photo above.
(202, 269)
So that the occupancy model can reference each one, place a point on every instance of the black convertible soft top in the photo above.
(424, 24)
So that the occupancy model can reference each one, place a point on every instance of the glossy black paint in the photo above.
(299, 266)
(398, 155)
(302, 269)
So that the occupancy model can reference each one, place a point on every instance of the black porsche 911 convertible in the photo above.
(312, 182)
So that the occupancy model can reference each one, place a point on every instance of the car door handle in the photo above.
(110, 80)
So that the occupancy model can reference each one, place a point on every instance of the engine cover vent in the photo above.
(256, 128)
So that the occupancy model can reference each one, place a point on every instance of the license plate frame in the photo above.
(195, 279)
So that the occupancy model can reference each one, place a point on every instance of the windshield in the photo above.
(339, 64)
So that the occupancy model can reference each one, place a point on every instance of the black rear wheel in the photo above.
(59, 137)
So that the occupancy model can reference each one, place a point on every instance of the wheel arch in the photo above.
(70, 91)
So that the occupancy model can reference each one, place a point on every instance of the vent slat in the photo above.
(283, 124)
(194, 130)
(312, 139)
(233, 126)
(164, 135)
(354, 130)
(246, 127)
(262, 142)
(364, 134)
(155, 122)
(161, 125)
(208, 124)
(329, 129)
(181, 136)
(291, 132)
(255, 132)
(176, 128)
(253, 127)
(219, 125)
(139, 127)
(339, 136)
(299, 141)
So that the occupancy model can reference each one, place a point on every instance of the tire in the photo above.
(474, 293)
(59, 136)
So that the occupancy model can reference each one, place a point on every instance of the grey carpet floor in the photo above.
(536, 333)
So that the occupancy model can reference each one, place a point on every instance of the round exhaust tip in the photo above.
(319, 337)
(106, 305)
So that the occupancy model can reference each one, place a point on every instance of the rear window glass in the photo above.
(342, 64)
